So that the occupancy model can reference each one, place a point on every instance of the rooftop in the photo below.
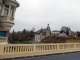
(15, 1)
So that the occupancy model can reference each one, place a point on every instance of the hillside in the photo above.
(56, 39)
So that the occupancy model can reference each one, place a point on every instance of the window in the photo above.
(5, 12)
(2, 33)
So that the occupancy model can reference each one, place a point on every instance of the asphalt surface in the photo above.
(69, 56)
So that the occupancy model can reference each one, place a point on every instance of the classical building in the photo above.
(7, 13)
(42, 33)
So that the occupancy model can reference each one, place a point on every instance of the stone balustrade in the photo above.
(15, 50)
(3, 39)
(11, 19)
(3, 17)
(6, 18)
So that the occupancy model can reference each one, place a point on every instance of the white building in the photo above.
(56, 32)
(7, 13)
(37, 38)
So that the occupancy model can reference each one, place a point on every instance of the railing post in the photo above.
(57, 46)
(74, 46)
(34, 48)
(1, 49)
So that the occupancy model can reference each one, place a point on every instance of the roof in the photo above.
(55, 31)
(15, 1)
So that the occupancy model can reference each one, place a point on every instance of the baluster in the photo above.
(8, 49)
(25, 48)
(11, 49)
(41, 47)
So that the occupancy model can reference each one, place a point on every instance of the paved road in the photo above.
(69, 56)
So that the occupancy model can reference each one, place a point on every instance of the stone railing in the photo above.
(3, 39)
(3, 17)
(6, 18)
(17, 50)
(11, 19)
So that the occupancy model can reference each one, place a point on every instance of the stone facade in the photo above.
(66, 30)
(42, 33)
(56, 32)
(7, 13)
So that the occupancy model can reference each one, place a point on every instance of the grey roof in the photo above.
(56, 31)
(15, 1)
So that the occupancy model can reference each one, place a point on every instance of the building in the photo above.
(37, 37)
(42, 33)
(7, 13)
(66, 30)
(55, 32)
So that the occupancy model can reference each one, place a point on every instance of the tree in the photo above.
(24, 31)
(21, 36)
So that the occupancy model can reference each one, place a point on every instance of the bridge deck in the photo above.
(69, 56)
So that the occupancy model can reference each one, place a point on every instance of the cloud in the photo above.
(38, 13)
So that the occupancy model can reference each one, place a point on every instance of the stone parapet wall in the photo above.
(17, 50)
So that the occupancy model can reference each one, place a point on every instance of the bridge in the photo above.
(32, 50)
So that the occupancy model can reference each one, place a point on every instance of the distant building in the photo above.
(56, 32)
(37, 37)
(66, 30)
(62, 34)
(78, 34)
(42, 33)
(48, 31)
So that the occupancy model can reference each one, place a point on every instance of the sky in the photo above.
(39, 13)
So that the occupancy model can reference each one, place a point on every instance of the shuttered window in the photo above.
(2, 33)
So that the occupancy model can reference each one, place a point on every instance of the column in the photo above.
(14, 12)
(2, 10)
(9, 10)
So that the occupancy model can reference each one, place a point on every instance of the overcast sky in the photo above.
(38, 13)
